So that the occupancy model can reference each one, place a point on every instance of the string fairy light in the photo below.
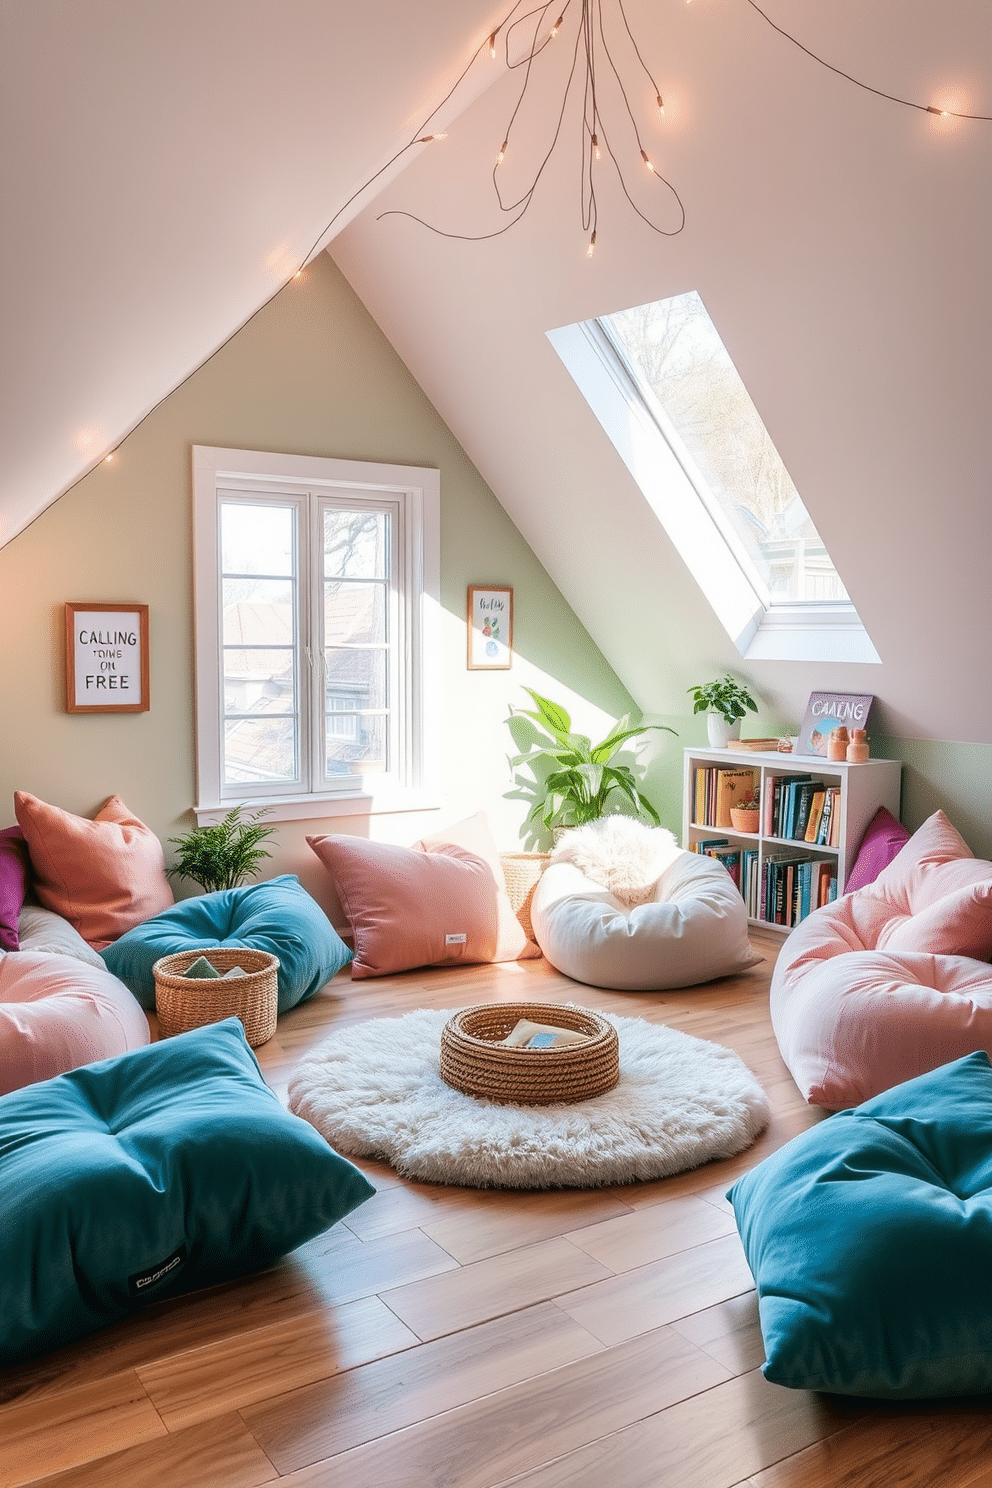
(600, 29)
(595, 140)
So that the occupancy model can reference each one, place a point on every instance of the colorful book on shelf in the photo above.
(815, 812)
(732, 787)
(831, 807)
(800, 817)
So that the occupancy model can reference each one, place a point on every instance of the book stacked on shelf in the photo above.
(794, 886)
(801, 809)
(716, 788)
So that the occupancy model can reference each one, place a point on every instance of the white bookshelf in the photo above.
(863, 788)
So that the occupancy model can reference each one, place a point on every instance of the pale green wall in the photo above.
(311, 374)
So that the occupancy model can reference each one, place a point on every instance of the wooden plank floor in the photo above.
(460, 1338)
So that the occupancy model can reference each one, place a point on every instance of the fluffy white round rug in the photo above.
(375, 1090)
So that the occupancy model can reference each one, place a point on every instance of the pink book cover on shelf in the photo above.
(829, 710)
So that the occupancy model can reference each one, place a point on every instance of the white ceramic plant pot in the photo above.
(719, 731)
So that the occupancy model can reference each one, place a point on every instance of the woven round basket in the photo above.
(190, 1002)
(474, 1061)
(522, 871)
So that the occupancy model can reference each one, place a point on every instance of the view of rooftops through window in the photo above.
(682, 369)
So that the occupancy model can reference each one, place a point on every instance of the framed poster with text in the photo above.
(106, 658)
(490, 629)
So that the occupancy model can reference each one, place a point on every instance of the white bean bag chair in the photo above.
(693, 927)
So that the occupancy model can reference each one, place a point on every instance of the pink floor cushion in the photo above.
(892, 980)
(57, 1013)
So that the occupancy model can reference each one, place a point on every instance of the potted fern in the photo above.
(222, 856)
(576, 781)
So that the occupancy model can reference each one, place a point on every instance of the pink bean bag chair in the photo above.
(892, 980)
(59, 1005)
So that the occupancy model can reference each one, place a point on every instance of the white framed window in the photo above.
(316, 587)
(663, 386)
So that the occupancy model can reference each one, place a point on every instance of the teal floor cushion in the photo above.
(870, 1240)
(277, 915)
(166, 1169)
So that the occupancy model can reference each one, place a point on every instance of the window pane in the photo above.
(354, 614)
(355, 679)
(258, 612)
(356, 742)
(260, 749)
(256, 539)
(259, 681)
(674, 351)
(356, 544)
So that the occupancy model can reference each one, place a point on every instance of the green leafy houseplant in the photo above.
(724, 696)
(224, 855)
(576, 779)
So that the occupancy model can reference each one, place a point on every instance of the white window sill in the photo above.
(317, 808)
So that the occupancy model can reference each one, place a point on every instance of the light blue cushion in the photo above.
(166, 1169)
(277, 915)
(870, 1240)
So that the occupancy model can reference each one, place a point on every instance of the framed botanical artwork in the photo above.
(106, 658)
(490, 629)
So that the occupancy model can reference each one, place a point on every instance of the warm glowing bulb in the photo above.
(941, 113)
(428, 139)
(557, 25)
(595, 148)
(646, 161)
(502, 152)
(661, 106)
(298, 274)
(492, 46)
(592, 246)
(108, 459)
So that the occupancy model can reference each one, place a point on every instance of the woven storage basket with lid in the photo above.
(474, 1061)
(184, 1002)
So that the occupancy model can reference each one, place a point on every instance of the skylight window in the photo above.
(684, 372)
(662, 384)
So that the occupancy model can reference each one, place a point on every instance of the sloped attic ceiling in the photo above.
(840, 242)
(165, 167)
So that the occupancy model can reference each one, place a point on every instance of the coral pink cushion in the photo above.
(104, 876)
(408, 908)
(884, 837)
(57, 1013)
(475, 835)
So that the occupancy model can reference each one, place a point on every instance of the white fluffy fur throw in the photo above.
(620, 853)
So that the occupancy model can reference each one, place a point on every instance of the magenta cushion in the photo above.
(13, 884)
(884, 837)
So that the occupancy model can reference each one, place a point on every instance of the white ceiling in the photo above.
(167, 164)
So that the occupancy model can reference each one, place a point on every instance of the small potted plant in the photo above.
(724, 702)
(746, 814)
(223, 855)
(575, 780)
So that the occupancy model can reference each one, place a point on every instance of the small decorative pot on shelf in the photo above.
(720, 732)
(744, 818)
